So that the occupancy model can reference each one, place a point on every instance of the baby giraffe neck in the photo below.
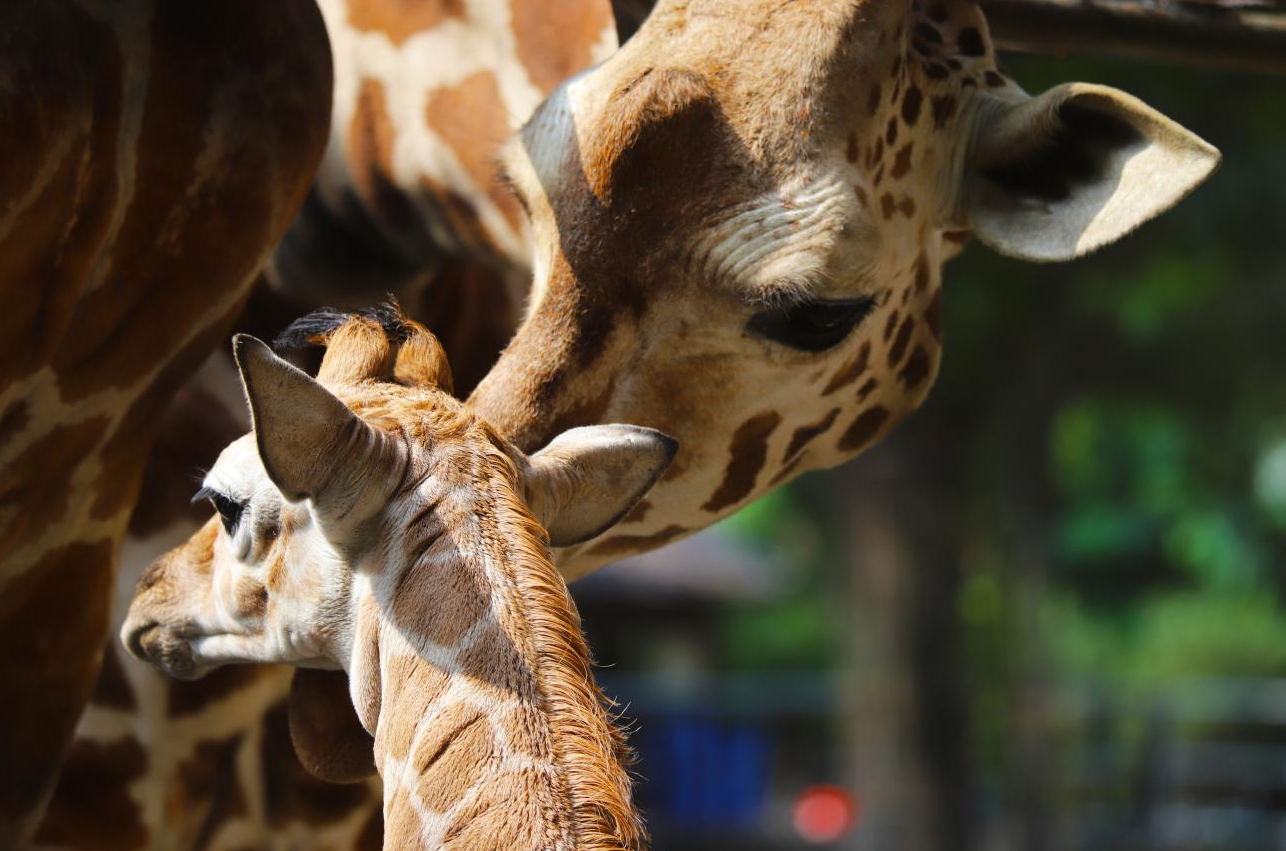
(471, 671)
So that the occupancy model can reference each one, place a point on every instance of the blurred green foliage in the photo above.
(1115, 475)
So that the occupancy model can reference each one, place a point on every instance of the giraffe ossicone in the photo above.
(371, 522)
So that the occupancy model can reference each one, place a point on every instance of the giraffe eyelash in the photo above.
(229, 509)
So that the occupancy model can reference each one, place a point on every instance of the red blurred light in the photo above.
(825, 814)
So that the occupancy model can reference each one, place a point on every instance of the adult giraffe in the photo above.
(154, 155)
(740, 221)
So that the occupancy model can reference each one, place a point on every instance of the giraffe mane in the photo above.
(316, 328)
(589, 744)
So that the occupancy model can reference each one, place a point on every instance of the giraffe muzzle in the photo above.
(152, 643)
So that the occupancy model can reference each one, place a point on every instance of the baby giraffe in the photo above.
(371, 522)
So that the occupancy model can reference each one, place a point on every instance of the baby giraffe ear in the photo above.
(587, 479)
(308, 439)
(1061, 174)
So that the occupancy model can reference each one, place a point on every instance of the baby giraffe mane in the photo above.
(590, 746)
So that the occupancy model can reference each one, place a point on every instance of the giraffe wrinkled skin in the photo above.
(394, 534)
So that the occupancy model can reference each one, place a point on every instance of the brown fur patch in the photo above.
(251, 598)
(864, 429)
(851, 371)
(911, 102)
(786, 472)
(34, 488)
(867, 388)
(457, 749)
(749, 450)
(902, 163)
(426, 683)
(554, 39)
(402, 19)
(208, 780)
(619, 545)
(191, 697)
(916, 369)
(806, 434)
(471, 117)
(113, 689)
(921, 273)
(933, 315)
(41, 701)
(944, 107)
(92, 808)
(460, 597)
(898, 349)
(370, 144)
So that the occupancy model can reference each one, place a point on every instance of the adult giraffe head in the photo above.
(372, 523)
(740, 221)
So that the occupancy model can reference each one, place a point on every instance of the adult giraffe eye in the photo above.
(813, 326)
(229, 509)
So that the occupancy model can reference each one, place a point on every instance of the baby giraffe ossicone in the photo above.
(371, 522)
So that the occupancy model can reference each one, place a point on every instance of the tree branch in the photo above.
(1245, 36)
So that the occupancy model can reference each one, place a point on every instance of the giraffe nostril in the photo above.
(134, 641)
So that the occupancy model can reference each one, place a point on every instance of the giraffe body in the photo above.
(407, 201)
(153, 157)
(405, 553)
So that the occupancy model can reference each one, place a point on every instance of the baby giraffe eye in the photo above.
(813, 326)
(229, 509)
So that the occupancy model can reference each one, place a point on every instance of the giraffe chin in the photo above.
(169, 653)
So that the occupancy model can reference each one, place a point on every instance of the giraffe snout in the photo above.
(150, 642)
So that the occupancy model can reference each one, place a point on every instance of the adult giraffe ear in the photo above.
(1061, 174)
(329, 739)
(588, 478)
(312, 446)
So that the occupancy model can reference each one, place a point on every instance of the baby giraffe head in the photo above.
(373, 523)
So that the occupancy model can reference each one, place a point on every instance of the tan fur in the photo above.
(473, 573)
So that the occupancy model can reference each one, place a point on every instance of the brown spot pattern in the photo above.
(92, 808)
(911, 102)
(916, 369)
(749, 450)
(618, 545)
(805, 434)
(933, 315)
(898, 349)
(849, 372)
(944, 106)
(554, 39)
(402, 19)
(113, 689)
(864, 429)
(470, 118)
(902, 163)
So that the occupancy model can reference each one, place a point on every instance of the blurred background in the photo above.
(1048, 612)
